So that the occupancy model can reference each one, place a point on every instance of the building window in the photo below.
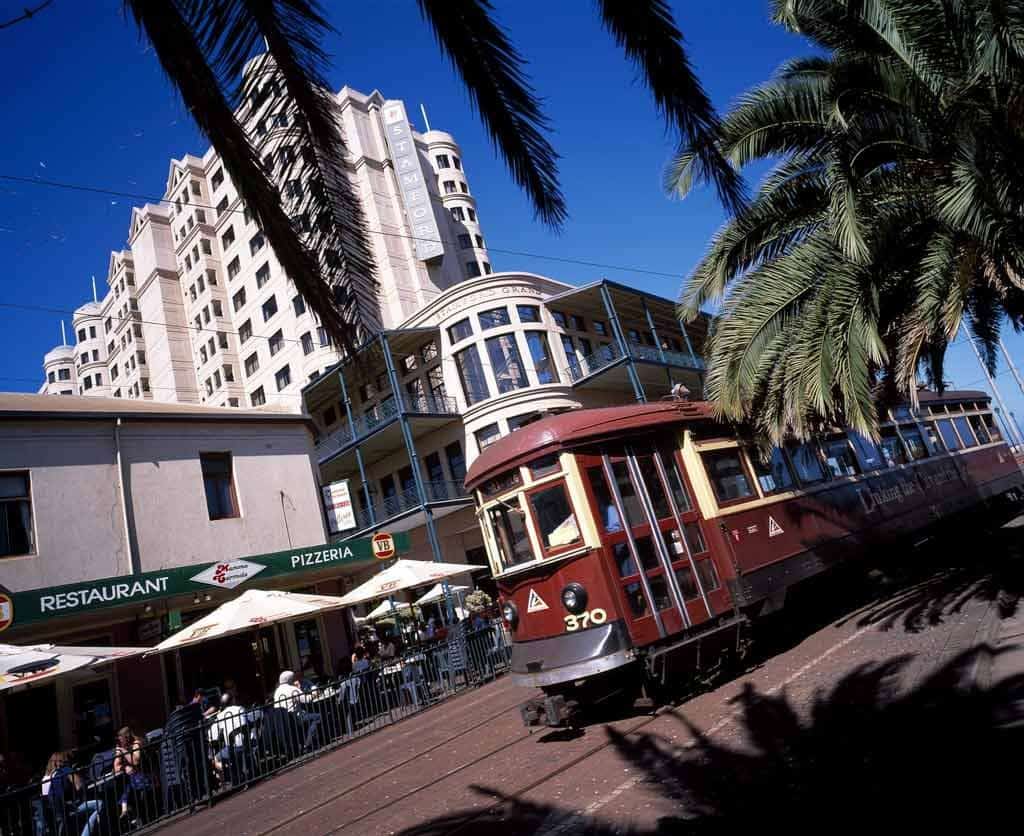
(245, 331)
(449, 187)
(51, 377)
(486, 436)
(540, 351)
(234, 267)
(252, 364)
(460, 330)
(465, 242)
(457, 213)
(471, 213)
(222, 206)
(263, 275)
(15, 514)
(207, 250)
(283, 377)
(219, 485)
(87, 383)
(456, 461)
(479, 241)
(217, 180)
(435, 379)
(276, 342)
(577, 323)
(256, 243)
(228, 238)
(494, 318)
(506, 363)
(258, 398)
(307, 343)
(472, 269)
(443, 161)
(63, 374)
(269, 308)
(238, 300)
(599, 328)
(570, 356)
(299, 304)
(463, 188)
(323, 336)
(81, 335)
(471, 374)
(428, 351)
(229, 374)
(217, 309)
(728, 478)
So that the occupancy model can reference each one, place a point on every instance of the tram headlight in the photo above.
(574, 598)
(510, 614)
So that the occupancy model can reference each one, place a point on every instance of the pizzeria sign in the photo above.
(34, 605)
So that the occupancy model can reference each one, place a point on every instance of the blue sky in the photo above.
(86, 103)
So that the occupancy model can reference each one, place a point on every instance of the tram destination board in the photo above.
(35, 605)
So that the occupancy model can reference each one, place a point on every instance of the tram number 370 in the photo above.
(584, 620)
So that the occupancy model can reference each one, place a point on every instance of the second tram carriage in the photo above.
(633, 544)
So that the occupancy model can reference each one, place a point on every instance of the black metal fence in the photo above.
(192, 760)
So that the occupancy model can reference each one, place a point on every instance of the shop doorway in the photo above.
(92, 716)
(32, 727)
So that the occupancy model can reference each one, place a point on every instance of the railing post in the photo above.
(414, 463)
(347, 403)
(693, 355)
(657, 339)
(613, 319)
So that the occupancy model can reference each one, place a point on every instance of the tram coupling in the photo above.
(553, 710)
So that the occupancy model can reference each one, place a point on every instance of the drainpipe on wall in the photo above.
(127, 506)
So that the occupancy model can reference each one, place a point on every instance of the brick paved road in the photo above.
(849, 702)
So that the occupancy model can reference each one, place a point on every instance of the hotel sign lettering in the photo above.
(35, 605)
(411, 184)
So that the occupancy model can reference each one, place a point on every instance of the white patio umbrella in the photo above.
(437, 594)
(21, 666)
(403, 574)
(251, 610)
(384, 608)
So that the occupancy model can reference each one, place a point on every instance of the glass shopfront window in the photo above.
(540, 351)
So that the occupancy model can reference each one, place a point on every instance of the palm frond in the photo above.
(494, 74)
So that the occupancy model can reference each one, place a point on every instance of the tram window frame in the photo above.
(601, 500)
(707, 457)
(500, 512)
(992, 426)
(952, 443)
(502, 483)
(961, 422)
(677, 481)
(708, 574)
(978, 425)
(862, 445)
(842, 442)
(545, 466)
(655, 489)
(687, 583)
(660, 598)
(912, 433)
(891, 434)
(538, 529)
(766, 470)
(792, 449)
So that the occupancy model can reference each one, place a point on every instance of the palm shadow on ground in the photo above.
(867, 753)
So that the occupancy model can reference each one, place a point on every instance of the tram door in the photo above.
(652, 529)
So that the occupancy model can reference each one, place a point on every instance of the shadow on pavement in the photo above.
(862, 754)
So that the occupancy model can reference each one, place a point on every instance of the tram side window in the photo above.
(725, 470)
(556, 522)
(867, 452)
(695, 538)
(675, 480)
(978, 426)
(624, 558)
(806, 463)
(773, 474)
(509, 526)
(659, 592)
(990, 425)
(948, 434)
(686, 583)
(630, 502)
(892, 448)
(607, 513)
(965, 431)
(839, 457)
(915, 443)
(708, 575)
(636, 599)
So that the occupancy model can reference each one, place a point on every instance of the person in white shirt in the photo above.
(230, 719)
(288, 695)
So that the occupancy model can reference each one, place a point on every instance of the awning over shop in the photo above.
(253, 609)
(403, 574)
(21, 666)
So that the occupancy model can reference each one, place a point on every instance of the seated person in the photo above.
(60, 783)
(361, 663)
(229, 720)
(289, 696)
(128, 762)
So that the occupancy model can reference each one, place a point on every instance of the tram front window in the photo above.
(556, 522)
(608, 514)
(509, 526)
(725, 470)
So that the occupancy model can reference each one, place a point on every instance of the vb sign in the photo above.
(383, 546)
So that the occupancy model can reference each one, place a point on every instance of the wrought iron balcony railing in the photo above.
(408, 500)
(606, 355)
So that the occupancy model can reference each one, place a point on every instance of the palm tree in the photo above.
(207, 49)
(893, 212)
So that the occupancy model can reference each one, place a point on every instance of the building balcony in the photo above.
(379, 426)
(403, 511)
(611, 356)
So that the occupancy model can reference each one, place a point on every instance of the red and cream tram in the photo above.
(632, 544)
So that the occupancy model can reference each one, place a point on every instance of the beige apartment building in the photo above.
(197, 308)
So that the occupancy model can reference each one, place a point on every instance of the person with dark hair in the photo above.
(128, 762)
(61, 781)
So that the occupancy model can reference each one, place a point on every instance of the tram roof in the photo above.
(558, 432)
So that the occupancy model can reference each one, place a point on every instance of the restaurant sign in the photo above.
(34, 605)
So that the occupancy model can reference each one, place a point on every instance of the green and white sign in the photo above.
(35, 605)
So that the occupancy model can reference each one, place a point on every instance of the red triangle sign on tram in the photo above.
(534, 603)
